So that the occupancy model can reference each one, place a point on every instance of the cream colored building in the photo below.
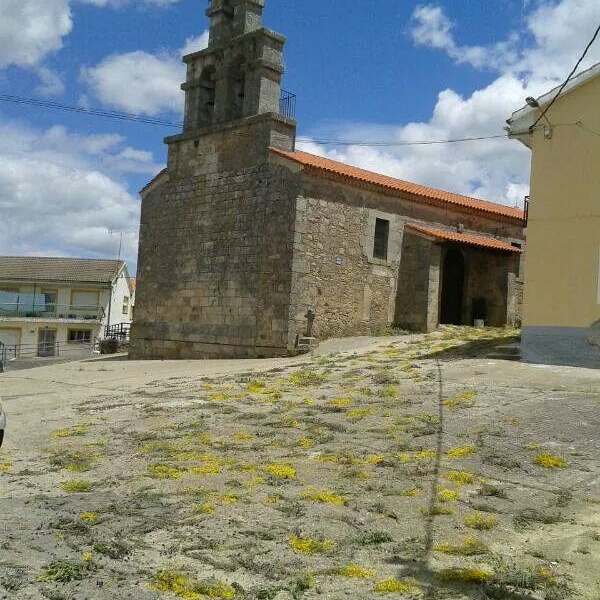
(59, 306)
(561, 318)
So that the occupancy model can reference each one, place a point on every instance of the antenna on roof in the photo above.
(121, 233)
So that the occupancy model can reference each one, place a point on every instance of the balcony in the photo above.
(15, 310)
(287, 104)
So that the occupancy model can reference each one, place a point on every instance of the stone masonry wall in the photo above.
(335, 274)
(418, 284)
(214, 270)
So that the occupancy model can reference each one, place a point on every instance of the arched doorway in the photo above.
(453, 284)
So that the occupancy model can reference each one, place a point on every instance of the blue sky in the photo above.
(362, 70)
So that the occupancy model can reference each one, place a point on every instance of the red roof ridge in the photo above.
(471, 239)
(398, 185)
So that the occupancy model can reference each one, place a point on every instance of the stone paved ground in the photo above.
(420, 468)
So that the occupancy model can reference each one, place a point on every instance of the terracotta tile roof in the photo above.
(42, 268)
(481, 241)
(398, 187)
(153, 180)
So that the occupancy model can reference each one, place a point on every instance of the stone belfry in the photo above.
(217, 225)
(239, 75)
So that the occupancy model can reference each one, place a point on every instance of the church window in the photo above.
(380, 243)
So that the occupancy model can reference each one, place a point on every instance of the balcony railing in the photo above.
(50, 311)
(287, 104)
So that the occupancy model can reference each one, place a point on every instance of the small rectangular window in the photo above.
(125, 305)
(83, 335)
(380, 244)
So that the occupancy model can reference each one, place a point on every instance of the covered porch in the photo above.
(455, 278)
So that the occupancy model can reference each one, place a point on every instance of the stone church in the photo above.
(242, 235)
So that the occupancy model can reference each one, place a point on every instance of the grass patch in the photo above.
(64, 571)
(76, 485)
(494, 491)
(185, 587)
(116, 549)
(460, 451)
(470, 546)
(445, 495)
(550, 461)
(388, 391)
(323, 496)
(410, 492)
(480, 521)
(530, 516)
(358, 413)
(66, 432)
(464, 575)
(340, 402)
(309, 545)
(460, 401)
(281, 470)
(89, 517)
(355, 571)
(73, 460)
(307, 378)
(437, 510)
(256, 386)
(459, 477)
(397, 586)
(160, 471)
(373, 538)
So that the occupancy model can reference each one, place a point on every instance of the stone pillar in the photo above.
(417, 299)
(220, 13)
(247, 15)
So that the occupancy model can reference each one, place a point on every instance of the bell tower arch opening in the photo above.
(237, 89)
(206, 95)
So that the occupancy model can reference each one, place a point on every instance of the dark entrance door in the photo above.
(453, 283)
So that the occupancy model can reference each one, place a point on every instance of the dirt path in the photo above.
(393, 466)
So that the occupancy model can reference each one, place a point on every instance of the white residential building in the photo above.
(55, 306)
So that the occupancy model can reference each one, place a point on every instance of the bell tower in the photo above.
(239, 75)
(217, 225)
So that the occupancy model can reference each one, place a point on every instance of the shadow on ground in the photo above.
(506, 348)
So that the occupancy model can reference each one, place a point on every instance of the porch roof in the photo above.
(469, 239)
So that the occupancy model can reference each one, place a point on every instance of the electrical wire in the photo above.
(98, 112)
(122, 116)
(564, 85)
(582, 126)
(394, 144)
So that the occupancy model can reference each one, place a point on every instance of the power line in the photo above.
(564, 85)
(98, 112)
(122, 116)
(414, 143)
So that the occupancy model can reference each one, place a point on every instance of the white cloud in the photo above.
(50, 82)
(432, 28)
(30, 29)
(137, 82)
(559, 31)
(117, 3)
(141, 82)
(528, 62)
(62, 192)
